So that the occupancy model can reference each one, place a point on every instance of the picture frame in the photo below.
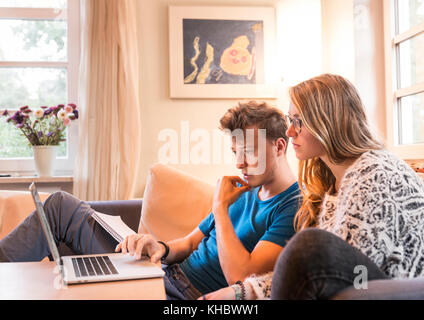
(222, 52)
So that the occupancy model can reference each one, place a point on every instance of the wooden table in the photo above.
(40, 281)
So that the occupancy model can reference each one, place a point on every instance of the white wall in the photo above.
(300, 57)
(338, 51)
(369, 61)
(353, 46)
(313, 36)
(299, 42)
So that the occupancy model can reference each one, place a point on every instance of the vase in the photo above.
(45, 159)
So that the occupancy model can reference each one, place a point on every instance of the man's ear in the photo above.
(281, 145)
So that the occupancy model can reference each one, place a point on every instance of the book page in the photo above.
(114, 225)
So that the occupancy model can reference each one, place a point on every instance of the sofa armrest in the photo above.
(129, 210)
(395, 289)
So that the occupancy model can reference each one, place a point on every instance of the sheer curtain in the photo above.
(109, 131)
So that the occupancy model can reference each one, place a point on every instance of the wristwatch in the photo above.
(165, 255)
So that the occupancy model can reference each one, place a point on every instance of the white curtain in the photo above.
(109, 127)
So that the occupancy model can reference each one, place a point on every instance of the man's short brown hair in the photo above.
(258, 114)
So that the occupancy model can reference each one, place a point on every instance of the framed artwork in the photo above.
(222, 52)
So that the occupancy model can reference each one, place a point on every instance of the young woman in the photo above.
(362, 215)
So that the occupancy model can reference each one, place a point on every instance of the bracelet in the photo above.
(165, 255)
(237, 290)
(240, 290)
(243, 290)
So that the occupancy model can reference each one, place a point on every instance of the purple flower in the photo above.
(54, 109)
(50, 134)
(18, 117)
(24, 108)
(48, 111)
(5, 113)
(76, 113)
(40, 134)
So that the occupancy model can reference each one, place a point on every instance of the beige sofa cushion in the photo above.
(15, 206)
(174, 203)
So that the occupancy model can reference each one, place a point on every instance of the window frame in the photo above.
(392, 39)
(64, 165)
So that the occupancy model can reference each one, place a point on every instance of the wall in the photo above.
(299, 42)
(298, 35)
(338, 54)
(369, 58)
(353, 46)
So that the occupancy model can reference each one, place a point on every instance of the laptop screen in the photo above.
(45, 225)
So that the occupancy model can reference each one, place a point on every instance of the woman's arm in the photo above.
(256, 288)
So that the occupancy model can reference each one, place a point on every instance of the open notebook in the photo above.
(114, 225)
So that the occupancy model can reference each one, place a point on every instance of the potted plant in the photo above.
(45, 130)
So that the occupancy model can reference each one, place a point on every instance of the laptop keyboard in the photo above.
(93, 266)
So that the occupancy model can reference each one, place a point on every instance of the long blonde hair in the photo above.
(331, 109)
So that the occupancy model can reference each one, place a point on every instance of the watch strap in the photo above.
(165, 255)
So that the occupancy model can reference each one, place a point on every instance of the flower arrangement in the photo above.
(44, 126)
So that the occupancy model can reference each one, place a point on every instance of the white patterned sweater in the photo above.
(379, 209)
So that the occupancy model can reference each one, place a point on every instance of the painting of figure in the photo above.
(223, 51)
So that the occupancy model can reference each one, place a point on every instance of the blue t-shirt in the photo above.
(253, 220)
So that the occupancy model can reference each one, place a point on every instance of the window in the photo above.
(404, 38)
(39, 61)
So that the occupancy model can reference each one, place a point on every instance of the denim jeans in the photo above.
(317, 264)
(71, 223)
(177, 285)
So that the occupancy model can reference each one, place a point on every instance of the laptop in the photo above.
(94, 267)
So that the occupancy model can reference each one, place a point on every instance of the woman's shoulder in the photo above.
(381, 167)
(374, 161)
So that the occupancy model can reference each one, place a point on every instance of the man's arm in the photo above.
(236, 262)
(180, 249)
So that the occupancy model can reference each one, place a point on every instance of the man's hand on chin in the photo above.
(227, 192)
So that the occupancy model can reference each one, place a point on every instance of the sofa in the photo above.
(175, 202)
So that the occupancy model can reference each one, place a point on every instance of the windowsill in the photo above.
(29, 179)
(46, 184)
(417, 165)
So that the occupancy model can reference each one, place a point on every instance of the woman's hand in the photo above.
(226, 293)
(142, 244)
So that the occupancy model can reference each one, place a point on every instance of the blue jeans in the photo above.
(317, 264)
(177, 285)
(71, 223)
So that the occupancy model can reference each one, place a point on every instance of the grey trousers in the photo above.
(71, 223)
(317, 264)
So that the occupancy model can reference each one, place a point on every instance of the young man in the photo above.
(251, 220)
